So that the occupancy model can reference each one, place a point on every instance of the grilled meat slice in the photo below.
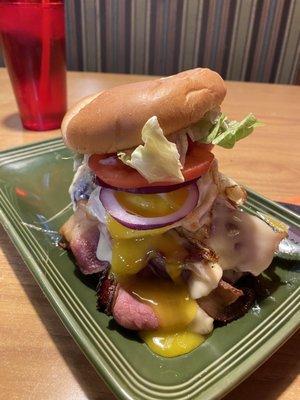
(80, 236)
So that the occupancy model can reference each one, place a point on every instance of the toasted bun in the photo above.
(112, 120)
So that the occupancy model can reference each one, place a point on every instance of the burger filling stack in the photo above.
(154, 220)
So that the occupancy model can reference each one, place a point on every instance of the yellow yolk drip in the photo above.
(152, 205)
(129, 256)
(175, 311)
(174, 270)
(131, 251)
(170, 302)
(168, 344)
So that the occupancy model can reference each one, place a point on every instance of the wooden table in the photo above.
(38, 358)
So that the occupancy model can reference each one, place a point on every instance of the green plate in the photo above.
(34, 203)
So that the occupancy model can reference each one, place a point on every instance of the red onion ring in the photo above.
(113, 207)
(146, 189)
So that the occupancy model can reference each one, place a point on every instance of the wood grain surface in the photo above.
(38, 358)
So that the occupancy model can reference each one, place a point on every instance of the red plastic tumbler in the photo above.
(32, 35)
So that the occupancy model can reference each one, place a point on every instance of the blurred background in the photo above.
(245, 40)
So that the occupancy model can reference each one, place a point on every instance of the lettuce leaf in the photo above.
(226, 133)
(201, 128)
(158, 160)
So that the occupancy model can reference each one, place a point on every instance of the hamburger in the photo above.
(154, 220)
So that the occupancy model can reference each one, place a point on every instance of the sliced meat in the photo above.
(133, 314)
(262, 285)
(128, 312)
(237, 309)
(81, 236)
(155, 268)
(231, 276)
(227, 303)
(215, 303)
(197, 250)
(107, 290)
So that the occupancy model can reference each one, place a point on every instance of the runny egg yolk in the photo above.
(172, 344)
(129, 256)
(170, 300)
(175, 311)
(152, 205)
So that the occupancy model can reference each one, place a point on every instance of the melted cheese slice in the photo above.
(204, 278)
(242, 241)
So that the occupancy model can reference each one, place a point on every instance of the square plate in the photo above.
(34, 203)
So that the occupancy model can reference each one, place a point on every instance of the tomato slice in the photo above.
(197, 161)
(115, 173)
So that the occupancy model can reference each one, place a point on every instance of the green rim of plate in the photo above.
(214, 381)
